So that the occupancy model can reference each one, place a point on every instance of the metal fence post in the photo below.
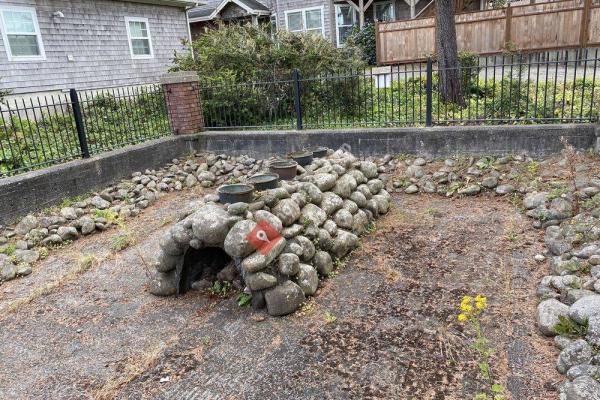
(79, 124)
(428, 93)
(297, 100)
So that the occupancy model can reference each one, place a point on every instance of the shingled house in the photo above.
(51, 45)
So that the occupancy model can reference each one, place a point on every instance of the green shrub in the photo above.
(246, 75)
(364, 40)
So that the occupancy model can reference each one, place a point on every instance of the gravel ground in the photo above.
(99, 334)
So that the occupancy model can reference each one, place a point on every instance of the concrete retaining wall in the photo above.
(536, 140)
(37, 190)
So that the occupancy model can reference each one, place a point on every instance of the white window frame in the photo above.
(129, 38)
(380, 3)
(337, 26)
(303, 11)
(38, 34)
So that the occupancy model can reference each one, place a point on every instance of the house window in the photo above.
(138, 32)
(273, 24)
(305, 20)
(384, 11)
(345, 20)
(21, 34)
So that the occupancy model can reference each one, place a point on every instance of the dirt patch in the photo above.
(384, 327)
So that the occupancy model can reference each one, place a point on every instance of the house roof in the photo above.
(207, 13)
(174, 3)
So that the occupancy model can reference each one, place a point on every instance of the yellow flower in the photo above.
(466, 300)
(462, 317)
(480, 302)
(466, 307)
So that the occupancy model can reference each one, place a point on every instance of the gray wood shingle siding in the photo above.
(95, 35)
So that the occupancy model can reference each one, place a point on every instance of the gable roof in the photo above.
(206, 13)
(174, 3)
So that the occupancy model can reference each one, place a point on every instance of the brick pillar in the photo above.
(182, 94)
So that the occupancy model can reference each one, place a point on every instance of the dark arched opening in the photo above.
(203, 264)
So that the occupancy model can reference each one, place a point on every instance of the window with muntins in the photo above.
(345, 19)
(140, 42)
(305, 20)
(21, 34)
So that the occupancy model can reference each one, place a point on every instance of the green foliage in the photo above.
(244, 299)
(8, 249)
(110, 123)
(330, 318)
(364, 40)
(110, 216)
(567, 327)
(246, 70)
(469, 71)
(120, 242)
(247, 53)
(557, 192)
(220, 288)
(592, 203)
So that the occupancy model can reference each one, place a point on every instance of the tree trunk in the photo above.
(447, 53)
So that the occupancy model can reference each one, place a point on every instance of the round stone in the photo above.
(236, 242)
(210, 225)
(307, 279)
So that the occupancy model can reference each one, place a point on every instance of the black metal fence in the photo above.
(512, 89)
(40, 131)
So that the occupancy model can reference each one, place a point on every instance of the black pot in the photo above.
(319, 152)
(236, 193)
(286, 169)
(264, 181)
(302, 157)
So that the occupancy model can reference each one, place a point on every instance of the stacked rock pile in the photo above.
(569, 308)
(22, 245)
(318, 216)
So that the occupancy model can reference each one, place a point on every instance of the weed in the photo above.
(330, 318)
(403, 157)
(331, 274)
(486, 163)
(511, 236)
(592, 203)
(220, 288)
(43, 252)
(165, 221)
(8, 249)
(532, 167)
(572, 159)
(338, 263)
(567, 327)
(244, 299)
(371, 227)
(557, 192)
(120, 242)
(205, 340)
(110, 216)
(67, 203)
(306, 222)
(86, 262)
(470, 310)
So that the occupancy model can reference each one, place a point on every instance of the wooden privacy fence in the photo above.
(531, 27)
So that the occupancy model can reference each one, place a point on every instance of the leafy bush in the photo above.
(110, 123)
(246, 75)
(247, 53)
(364, 40)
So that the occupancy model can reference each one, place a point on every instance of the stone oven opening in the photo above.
(201, 267)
